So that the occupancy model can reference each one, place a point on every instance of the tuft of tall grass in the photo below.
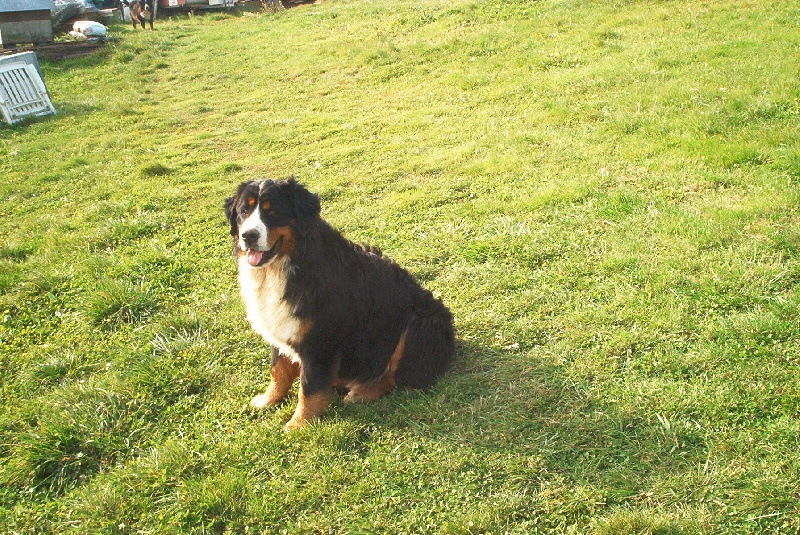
(69, 437)
(156, 170)
(178, 335)
(117, 302)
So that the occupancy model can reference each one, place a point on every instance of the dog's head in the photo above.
(141, 5)
(268, 217)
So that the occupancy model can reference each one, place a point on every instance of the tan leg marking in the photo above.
(308, 407)
(384, 385)
(283, 373)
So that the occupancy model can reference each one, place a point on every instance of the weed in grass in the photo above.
(16, 253)
(156, 170)
(231, 168)
(10, 276)
(179, 335)
(71, 436)
(55, 370)
(171, 380)
(114, 302)
(643, 523)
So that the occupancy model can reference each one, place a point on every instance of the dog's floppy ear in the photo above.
(230, 209)
(230, 214)
(306, 204)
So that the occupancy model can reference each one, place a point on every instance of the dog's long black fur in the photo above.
(360, 307)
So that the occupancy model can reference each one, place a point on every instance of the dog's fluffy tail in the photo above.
(429, 346)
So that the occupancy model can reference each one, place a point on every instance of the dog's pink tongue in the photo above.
(254, 257)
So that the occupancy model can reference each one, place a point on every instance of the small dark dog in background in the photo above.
(141, 11)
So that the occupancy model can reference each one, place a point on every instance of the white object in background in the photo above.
(89, 28)
(22, 93)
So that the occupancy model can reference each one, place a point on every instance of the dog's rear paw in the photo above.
(367, 393)
(355, 397)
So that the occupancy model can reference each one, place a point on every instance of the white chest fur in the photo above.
(270, 315)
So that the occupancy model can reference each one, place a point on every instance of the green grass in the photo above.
(607, 195)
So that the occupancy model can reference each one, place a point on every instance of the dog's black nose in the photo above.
(250, 237)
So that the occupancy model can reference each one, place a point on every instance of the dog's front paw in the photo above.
(294, 424)
(270, 398)
(261, 402)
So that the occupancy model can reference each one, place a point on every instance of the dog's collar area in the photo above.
(258, 258)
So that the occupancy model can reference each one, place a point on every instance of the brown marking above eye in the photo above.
(266, 206)
(251, 201)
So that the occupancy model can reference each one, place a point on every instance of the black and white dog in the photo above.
(141, 11)
(337, 315)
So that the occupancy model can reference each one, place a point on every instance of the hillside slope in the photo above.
(604, 193)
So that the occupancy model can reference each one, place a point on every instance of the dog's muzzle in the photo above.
(257, 257)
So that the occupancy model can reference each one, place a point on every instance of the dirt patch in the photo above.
(59, 51)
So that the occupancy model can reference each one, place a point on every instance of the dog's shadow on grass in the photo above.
(488, 394)
(517, 403)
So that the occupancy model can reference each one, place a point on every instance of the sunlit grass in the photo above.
(606, 195)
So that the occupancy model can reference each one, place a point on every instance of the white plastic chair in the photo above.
(22, 93)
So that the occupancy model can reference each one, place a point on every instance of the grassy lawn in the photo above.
(606, 194)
